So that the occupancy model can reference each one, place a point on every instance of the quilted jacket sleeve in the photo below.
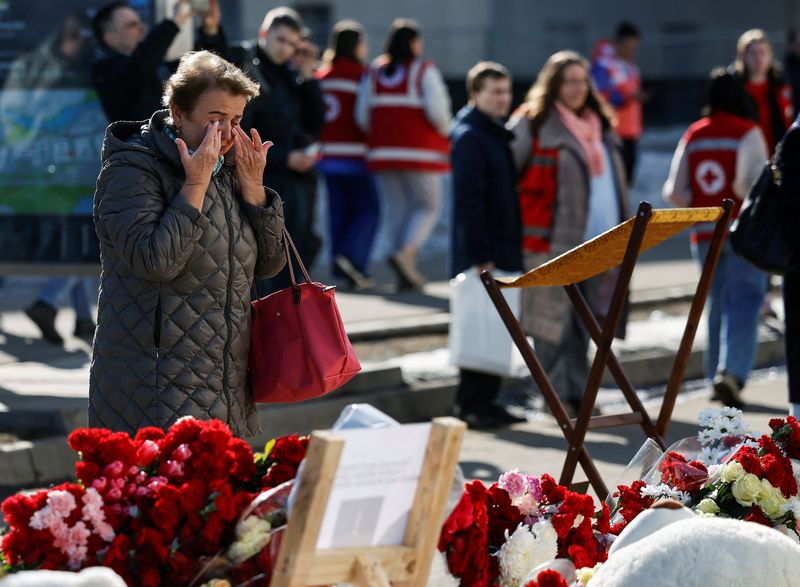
(267, 223)
(152, 237)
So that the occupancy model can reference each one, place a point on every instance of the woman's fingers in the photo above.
(183, 150)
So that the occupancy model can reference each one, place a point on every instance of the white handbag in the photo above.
(478, 338)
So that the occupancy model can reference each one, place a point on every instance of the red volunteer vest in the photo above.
(401, 138)
(537, 198)
(341, 136)
(712, 144)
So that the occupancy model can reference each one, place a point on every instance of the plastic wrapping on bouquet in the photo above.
(563, 566)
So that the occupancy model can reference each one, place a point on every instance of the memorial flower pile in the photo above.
(154, 508)
(497, 535)
(742, 477)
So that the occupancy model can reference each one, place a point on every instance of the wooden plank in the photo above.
(436, 479)
(337, 565)
(368, 572)
(613, 420)
(296, 553)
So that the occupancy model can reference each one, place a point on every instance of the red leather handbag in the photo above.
(298, 347)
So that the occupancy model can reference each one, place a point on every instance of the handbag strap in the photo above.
(288, 249)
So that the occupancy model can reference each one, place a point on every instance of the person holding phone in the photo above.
(185, 226)
(129, 73)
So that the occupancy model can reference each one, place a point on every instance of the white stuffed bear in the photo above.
(703, 552)
(91, 577)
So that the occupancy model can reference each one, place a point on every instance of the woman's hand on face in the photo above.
(251, 160)
(200, 164)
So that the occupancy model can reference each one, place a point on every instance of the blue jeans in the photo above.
(81, 290)
(354, 211)
(734, 308)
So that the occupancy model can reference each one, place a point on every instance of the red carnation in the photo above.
(548, 578)
(749, 460)
(553, 492)
(503, 515)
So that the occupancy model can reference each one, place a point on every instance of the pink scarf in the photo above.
(588, 131)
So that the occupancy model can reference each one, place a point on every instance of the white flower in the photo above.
(664, 490)
(253, 534)
(440, 574)
(585, 574)
(708, 506)
(525, 549)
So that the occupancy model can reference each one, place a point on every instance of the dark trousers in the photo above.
(477, 391)
(629, 151)
(298, 194)
(791, 304)
(354, 211)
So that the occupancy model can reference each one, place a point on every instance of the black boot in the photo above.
(84, 329)
(44, 316)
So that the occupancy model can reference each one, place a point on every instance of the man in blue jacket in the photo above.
(487, 231)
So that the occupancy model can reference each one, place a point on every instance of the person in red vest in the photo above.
(572, 188)
(719, 157)
(405, 109)
(353, 206)
(764, 83)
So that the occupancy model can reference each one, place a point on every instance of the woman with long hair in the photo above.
(353, 206)
(405, 110)
(764, 83)
(718, 158)
(572, 188)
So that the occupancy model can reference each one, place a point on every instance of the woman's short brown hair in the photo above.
(200, 71)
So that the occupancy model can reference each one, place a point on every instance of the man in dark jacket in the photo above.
(486, 217)
(130, 70)
(290, 112)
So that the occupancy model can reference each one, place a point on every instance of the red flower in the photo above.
(278, 473)
(749, 460)
(503, 516)
(289, 449)
(553, 492)
(630, 503)
(548, 578)
(757, 515)
(464, 538)
(682, 475)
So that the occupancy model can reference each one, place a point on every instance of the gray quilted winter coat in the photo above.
(173, 328)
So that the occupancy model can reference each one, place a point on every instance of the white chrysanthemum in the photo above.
(525, 549)
(440, 574)
(664, 490)
(253, 534)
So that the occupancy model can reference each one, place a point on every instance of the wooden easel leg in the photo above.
(586, 315)
(695, 312)
(531, 360)
(604, 346)
(540, 377)
(368, 572)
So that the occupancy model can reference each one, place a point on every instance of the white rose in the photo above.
(732, 471)
(708, 506)
(746, 489)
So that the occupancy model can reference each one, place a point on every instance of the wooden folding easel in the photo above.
(619, 246)
(299, 564)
